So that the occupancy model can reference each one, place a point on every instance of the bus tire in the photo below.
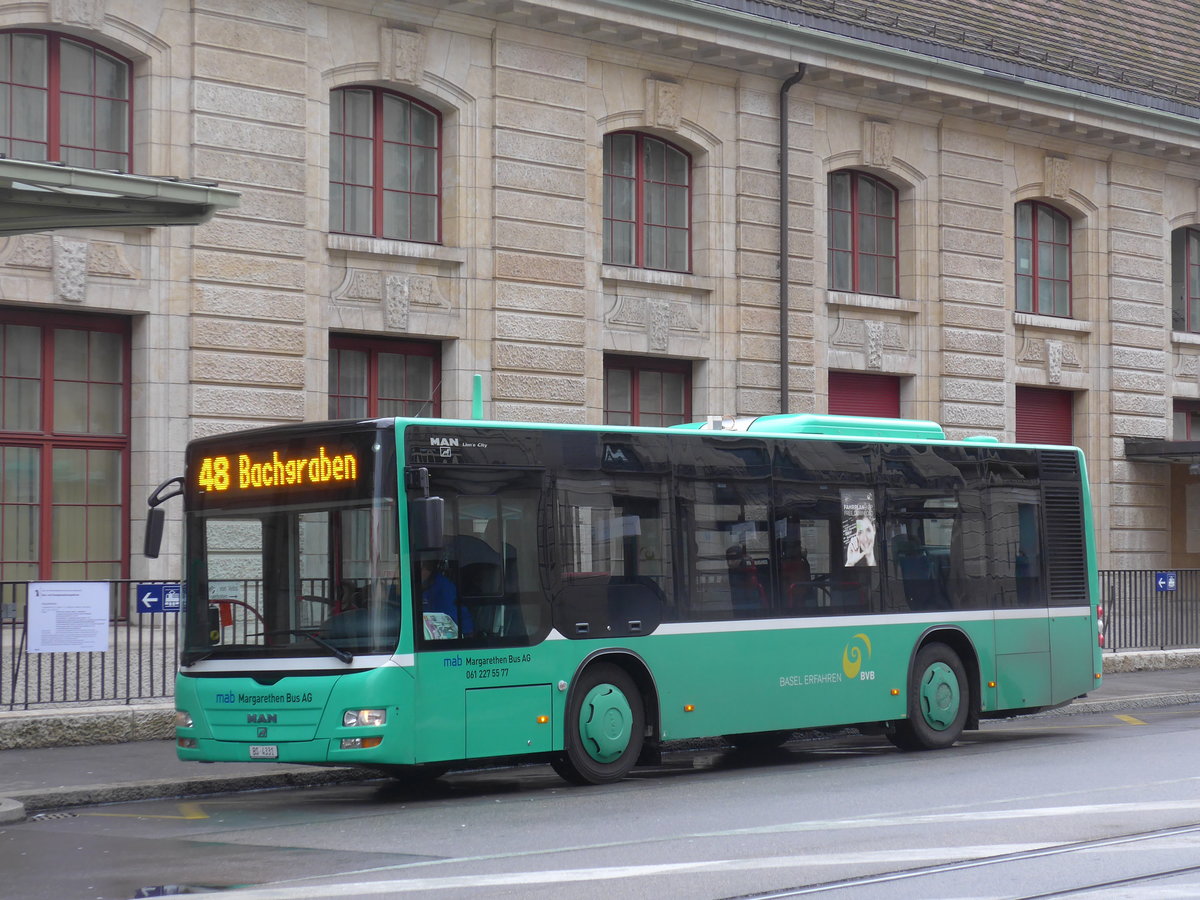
(938, 701)
(605, 727)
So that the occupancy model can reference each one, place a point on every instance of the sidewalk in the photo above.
(35, 780)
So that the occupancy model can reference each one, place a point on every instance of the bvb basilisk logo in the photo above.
(852, 655)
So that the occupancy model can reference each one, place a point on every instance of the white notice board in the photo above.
(68, 617)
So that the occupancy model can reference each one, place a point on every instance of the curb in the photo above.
(11, 811)
(33, 802)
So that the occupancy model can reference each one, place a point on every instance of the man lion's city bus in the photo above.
(412, 595)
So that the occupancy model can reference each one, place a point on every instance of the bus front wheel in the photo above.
(605, 726)
(938, 701)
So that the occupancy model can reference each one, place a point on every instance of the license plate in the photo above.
(264, 751)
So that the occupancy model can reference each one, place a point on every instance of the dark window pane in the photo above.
(424, 126)
(424, 170)
(424, 218)
(395, 215)
(866, 196)
(867, 282)
(112, 77)
(677, 250)
(29, 59)
(885, 270)
(654, 168)
(75, 67)
(677, 206)
(618, 156)
(839, 191)
(677, 166)
(840, 271)
(77, 120)
(840, 230)
(1024, 293)
(1024, 220)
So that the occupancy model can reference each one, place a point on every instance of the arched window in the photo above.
(384, 165)
(65, 100)
(647, 203)
(1043, 260)
(863, 235)
(1185, 279)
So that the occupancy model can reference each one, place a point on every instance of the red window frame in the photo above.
(54, 92)
(45, 440)
(369, 392)
(1186, 424)
(377, 185)
(852, 249)
(1185, 279)
(1044, 295)
(1044, 416)
(638, 412)
(860, 394)
(643, 219)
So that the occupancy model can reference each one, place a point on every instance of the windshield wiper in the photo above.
(335, 650)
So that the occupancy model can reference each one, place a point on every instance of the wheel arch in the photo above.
(636, 667)
(960, 642)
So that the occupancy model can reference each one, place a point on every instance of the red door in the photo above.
(1044, 416)
(856, 394)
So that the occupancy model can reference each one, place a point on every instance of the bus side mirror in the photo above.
(154, 529)
(427, 523)
(172, 487)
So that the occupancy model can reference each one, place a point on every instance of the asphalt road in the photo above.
(1026, 808)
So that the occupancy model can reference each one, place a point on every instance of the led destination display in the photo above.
(266, 468)
(220, 473)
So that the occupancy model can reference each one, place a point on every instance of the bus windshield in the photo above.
(291, 546)
(293, 582)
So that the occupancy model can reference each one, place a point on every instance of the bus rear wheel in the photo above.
(938, 701)
(605, 727)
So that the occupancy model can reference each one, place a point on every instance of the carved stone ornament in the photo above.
(403, 53)
(875, 337)
(396, 303)
(1055, 355)
(1054, 361)
(879, 139)
(656, 316)
(361, 285)
(871, 336)
(660, 323)
(664, 103)
(1058, 176)
(1188, 366)
(70, 269)
(86, 13)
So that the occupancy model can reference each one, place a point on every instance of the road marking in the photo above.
(393, 887)
(1130, 720)
(187, 811)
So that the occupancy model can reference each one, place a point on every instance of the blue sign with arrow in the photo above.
(153, 598)
(1164, 581)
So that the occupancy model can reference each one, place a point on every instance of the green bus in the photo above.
(412, 595)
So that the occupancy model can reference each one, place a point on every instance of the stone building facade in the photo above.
(230, 325)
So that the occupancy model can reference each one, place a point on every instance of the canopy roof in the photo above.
(42, 196)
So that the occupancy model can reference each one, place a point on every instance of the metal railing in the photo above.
(1143, 610)
(137, 667)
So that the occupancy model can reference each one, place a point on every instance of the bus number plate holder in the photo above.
(264, 751)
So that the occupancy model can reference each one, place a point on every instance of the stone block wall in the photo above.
(233, 318)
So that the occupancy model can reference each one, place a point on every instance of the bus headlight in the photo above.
(183, 719)
(354, 717)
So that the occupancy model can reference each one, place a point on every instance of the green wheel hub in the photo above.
(940, 696)
(605, 723)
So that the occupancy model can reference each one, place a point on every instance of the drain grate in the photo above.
(46, 817)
